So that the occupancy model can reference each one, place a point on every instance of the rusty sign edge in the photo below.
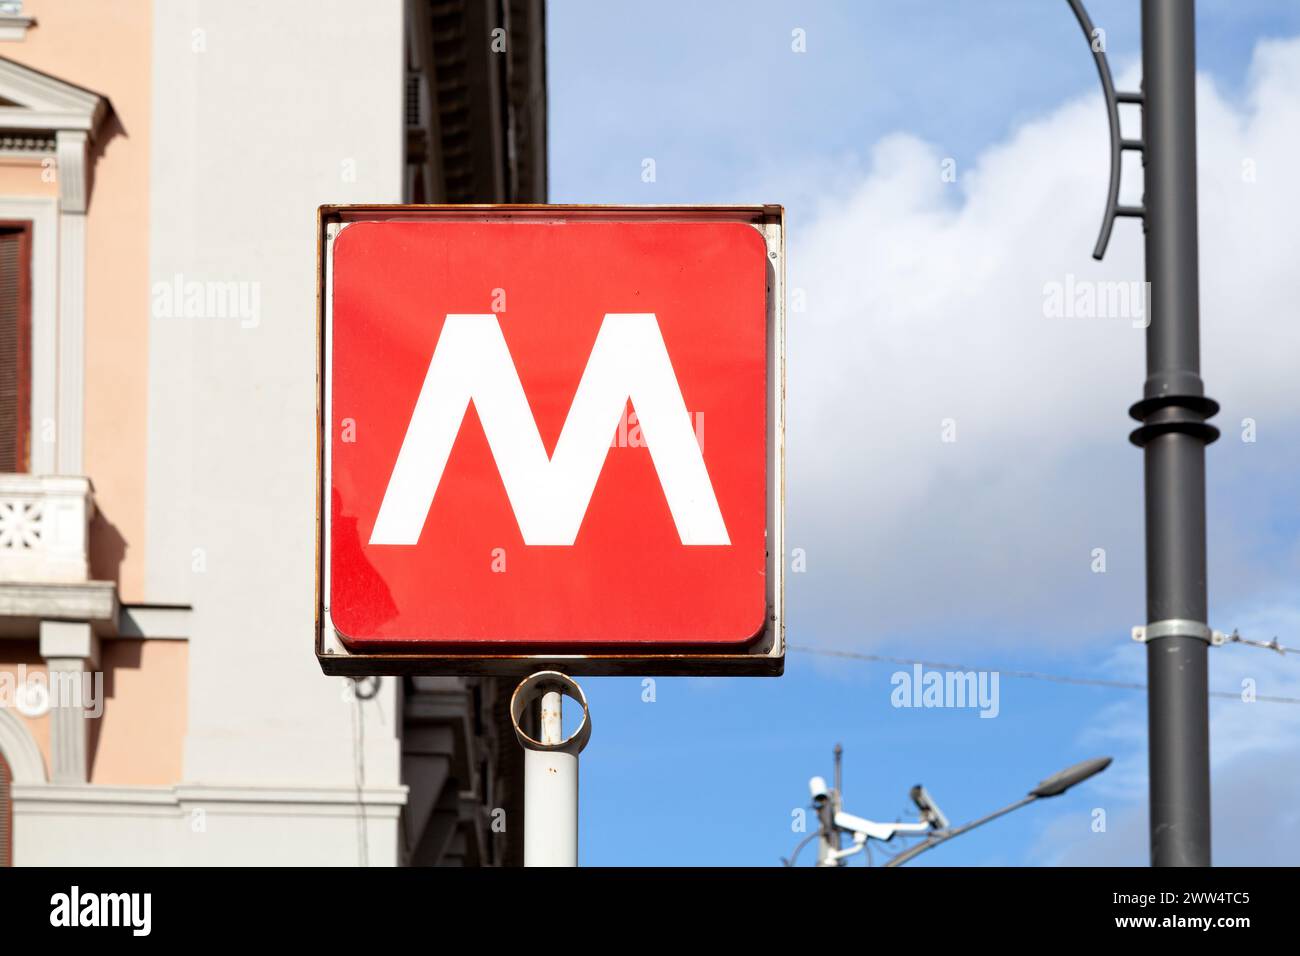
(764, 656)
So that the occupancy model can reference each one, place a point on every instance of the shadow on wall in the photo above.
(107, 549)
(123, 654)
(110, 129)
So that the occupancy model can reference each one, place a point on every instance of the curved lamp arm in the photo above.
(1053, 786)
(942, 836)
(1117, 143)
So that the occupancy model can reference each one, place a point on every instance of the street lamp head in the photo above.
(1058, 783)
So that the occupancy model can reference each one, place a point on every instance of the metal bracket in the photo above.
(1179, 627)
(1117, 142)
(532, 690)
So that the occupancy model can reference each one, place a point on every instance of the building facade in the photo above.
(160, 168)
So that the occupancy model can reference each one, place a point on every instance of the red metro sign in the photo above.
(551, 435)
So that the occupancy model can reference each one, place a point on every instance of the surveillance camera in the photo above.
(820, 794)
(930, 811)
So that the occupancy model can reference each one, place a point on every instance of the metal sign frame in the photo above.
(763, 656)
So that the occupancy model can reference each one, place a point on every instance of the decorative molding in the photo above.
(35, 797)
(12, 117)
(72, 798)
(164, 622)
(69, 648)
(69, 746)
(46, 102)
(15, 27)
(302, 799)
(72, 147)
(94, 602)
(45, 528)
(20, 750)
(72, 342)
(39, 145)
(72, 115)
(69, 641)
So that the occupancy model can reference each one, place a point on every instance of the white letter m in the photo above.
(550, 495)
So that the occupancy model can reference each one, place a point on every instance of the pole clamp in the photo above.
(1179, 627)
(530, 691)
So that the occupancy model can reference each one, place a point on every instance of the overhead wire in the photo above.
(1037, 675)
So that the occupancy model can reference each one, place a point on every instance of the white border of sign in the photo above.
(765, 655)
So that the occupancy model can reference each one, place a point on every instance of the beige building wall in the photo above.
(26, 655)
(105, 47)
(25, 177)
(140, 739)
(220, 741)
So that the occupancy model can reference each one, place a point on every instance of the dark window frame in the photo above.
(22, 228)
(6, 812)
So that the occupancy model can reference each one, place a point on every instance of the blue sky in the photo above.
(924, 302)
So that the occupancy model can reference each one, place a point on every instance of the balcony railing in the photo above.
(45, 528)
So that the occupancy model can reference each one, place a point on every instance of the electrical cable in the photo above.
(1031, 675)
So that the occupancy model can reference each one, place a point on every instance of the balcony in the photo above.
(45, 528)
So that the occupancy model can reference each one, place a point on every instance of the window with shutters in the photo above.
(6, 814)
(15, 346)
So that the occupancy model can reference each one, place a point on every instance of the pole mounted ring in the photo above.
(1179, 627)
(1117, 143)
(530, 690)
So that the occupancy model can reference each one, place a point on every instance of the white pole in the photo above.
(550, 771)
(550, 795)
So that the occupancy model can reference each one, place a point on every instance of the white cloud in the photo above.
(926, 302)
